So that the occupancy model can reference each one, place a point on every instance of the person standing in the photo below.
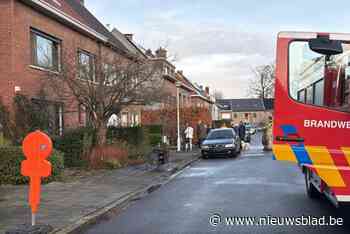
(201, 132)
(189, 137)
(241, 131)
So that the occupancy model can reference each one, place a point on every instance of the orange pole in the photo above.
(34, 193)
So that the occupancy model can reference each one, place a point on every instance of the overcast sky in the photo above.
(217, 43)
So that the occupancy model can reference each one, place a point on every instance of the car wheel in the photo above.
(311, 190)
(234, 153)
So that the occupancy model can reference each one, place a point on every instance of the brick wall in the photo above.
(6, 7)
(16, 44)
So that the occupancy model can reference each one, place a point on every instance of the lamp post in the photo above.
(178, 85)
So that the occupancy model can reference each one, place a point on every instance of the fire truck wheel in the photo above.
(311, 190)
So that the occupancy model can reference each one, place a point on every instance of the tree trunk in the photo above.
(101, 134)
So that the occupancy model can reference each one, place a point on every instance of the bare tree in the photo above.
(263, 83)
(104, 85)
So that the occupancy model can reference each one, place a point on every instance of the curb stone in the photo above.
(112, 208)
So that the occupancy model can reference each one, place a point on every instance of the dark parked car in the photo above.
(221, 142)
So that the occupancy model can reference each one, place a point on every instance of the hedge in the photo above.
(132, 135)
(154, 129)
(154, 134)
(10, 166)
(75, 144)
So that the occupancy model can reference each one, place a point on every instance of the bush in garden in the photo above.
(3, 140)
(76, 144)
(131, 135)
(10, 166)
(154, 129)
(109, 156)
(154, 134)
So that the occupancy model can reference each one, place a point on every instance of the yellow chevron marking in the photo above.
(324, 165)
(346, 151)
(284, 153)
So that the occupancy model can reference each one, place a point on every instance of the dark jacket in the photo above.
(241, 131)
(201, 131)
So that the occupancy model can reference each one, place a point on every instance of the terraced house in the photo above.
(251, 110)
(39, 36)
(33, 34)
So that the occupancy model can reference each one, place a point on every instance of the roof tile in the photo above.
(76, 10)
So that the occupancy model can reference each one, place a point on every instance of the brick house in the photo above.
(29, 27)
(195, 103)
(251, 110)
(131, 115)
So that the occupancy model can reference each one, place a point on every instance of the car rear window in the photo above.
(221, 134)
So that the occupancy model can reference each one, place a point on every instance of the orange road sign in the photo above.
(37, 147)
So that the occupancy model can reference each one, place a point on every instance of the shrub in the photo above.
(139, 141)
(131, 135)
(76, 144)
(3, 140)
(139, 153)
(154, 129)
(154, 134)
(155, 139)
(109, 156)
(10, 167)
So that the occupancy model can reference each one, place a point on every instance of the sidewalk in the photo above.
(66, 206)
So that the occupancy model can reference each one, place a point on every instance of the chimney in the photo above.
(129, 36)
(161, 53)
(82, 2)
(207, 90)
(149, 53)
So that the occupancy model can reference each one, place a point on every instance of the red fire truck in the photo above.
(312, 112)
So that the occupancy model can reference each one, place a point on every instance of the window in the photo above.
(235, 116)
(302, 96)
(318, 93)
(310, 95)
(51, 116)
(135, 120)
(221, 134)
(124, 119)
(318, 80)
(45, 51)
(246, 115)
(86, 66)
(254, 115)
(226, 116)
(166, 70)
(110, 74)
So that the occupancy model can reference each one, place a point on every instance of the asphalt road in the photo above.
(252, 185)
